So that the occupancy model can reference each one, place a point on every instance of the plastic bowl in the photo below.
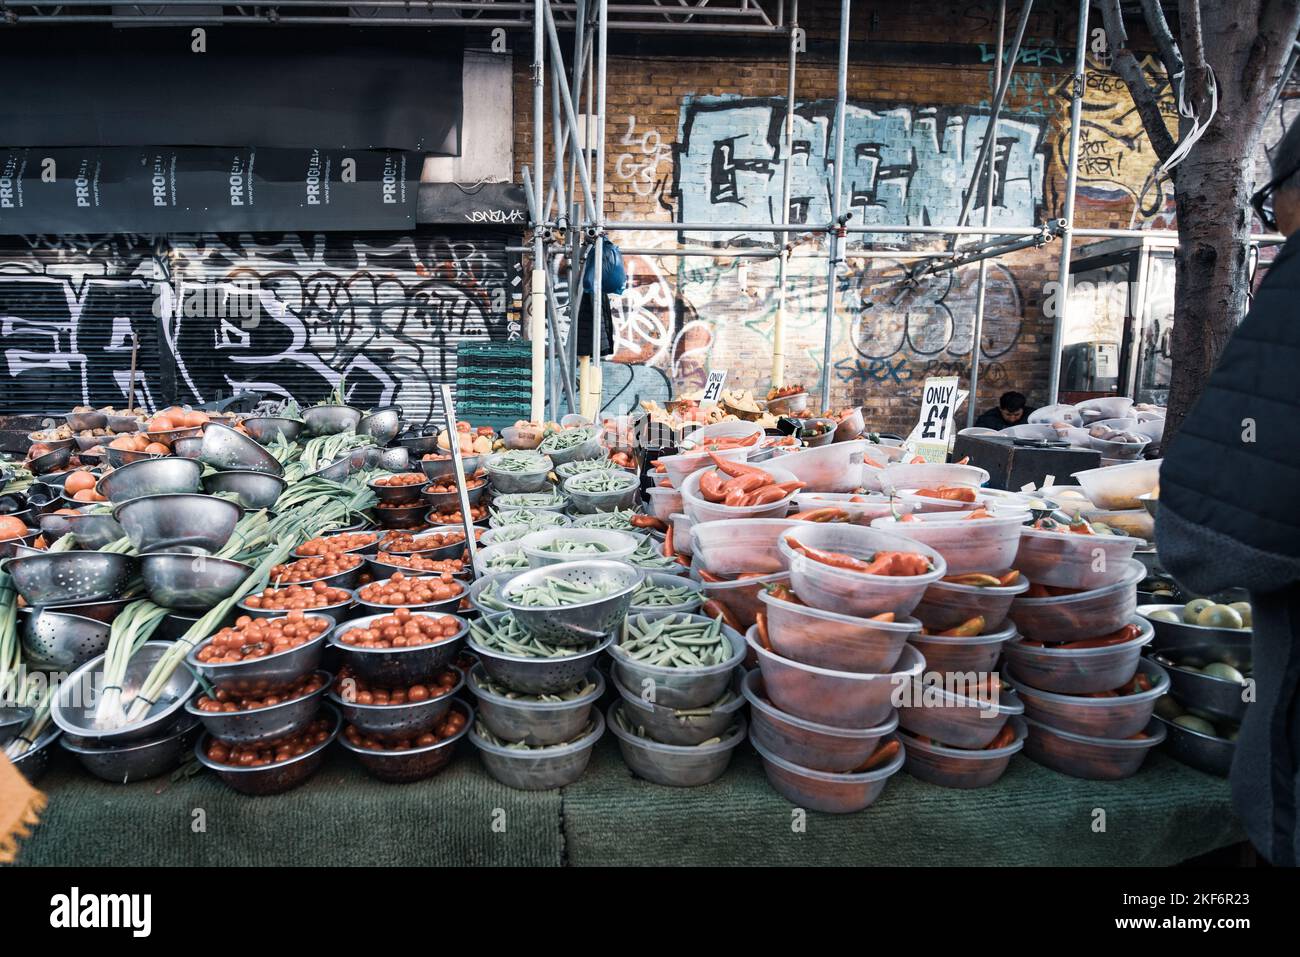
(683, 533)
(397, 667)
(701, 510)
(535, 723)
(1095, 759)
(1118, 717)
(967, 545)
(739, 596)
(1069, 560)
(589, 448)
(898, 476)
(679, 468)
(959, 767)
(808, 744)
(676, 765)
(831, 468)
(1136, 522)
(1085, 614)
(667, 580)
(827, 639)
(924, 504)
(957, 720)
(946, 604)
(1118, 486)
(1078, 670)
(539, 770)
(415, 763)
(719, 430)
(855, 593)
(737, 546)
(663, 503)
(587, 503)
(978, 653)
(824, 790)
(864, 512)
(670, 726)
(841, 699)
(679, 687)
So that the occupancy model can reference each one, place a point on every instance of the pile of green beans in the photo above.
(648, 555)
(619, 521)
(580, 690)
(491, 738)
(624, 722)
(535, 519)
(512, 533)
(503, 634)
(649, 594)
(570, 469)
(490, 597)
(674, 641)
(572, 546)
(520, 462)
(551, 499)
(506, 561)
(566, 439)
(557, 592)
(603, 480)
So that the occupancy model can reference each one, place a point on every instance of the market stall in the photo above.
(809, 643)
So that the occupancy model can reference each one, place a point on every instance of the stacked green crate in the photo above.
(494, 382)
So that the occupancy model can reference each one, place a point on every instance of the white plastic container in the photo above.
(966, 544)
(663, 503)
(701, 510)
(1066, 559)
(931, 475)
(1109, 407)
(1137, 522)
(954, 719)
(679, 467)
(831, 468)
(1078, 670)
(1057, 413)
(1118, 486)
(1085, 614)
(862, 512)
(850, 592)
(683, 533)
(825, 639)
(736, 546)
(720, 430)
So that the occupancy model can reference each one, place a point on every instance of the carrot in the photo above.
(881, 756)
(1005, 737)
(708, 576)
(949, 493)
(782, 591)
(715, 609)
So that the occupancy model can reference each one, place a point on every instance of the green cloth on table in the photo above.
(340, 817)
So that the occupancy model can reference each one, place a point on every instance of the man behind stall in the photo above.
(1012, 409)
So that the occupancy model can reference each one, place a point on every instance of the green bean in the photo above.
(675, 641)
(580, 690)
(604, 480)
(620, 520)
(556, 592)
(481, 730)
(577, 467)
(530, 500)
(652, 595)
(490, 597)
(519, 461)
(506, 560)
(647, 555)
(503, 634)
(533, 518)
(566, 439)
(573, 546)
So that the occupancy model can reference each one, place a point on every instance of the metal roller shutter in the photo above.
(68, 306)
(384, 310)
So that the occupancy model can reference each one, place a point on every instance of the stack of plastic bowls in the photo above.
(1076, 664)
(831, 664)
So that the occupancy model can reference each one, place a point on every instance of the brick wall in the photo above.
(695, 137)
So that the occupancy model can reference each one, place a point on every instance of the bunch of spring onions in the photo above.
(19, 481)
(324, 450)
(38, 695)
(10, 653)
(173, 657)
(130, 629)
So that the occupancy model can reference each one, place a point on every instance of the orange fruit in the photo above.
(76, 481)
(11, 527)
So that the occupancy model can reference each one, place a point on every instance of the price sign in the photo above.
(713, 387)
(933, 435)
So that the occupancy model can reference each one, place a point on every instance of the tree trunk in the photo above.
(1211, 270)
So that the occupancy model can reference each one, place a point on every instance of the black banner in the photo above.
(488, 204)
(169, 190)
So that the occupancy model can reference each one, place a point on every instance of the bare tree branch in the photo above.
(1279, 22)
(1196, 78)
(1170, 55)
(1145, 99)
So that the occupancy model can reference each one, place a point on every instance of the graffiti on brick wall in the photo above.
(645, 161)
(1115, 156)
(902, 163)
(381, 313)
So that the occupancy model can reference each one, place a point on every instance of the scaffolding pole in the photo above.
(833, 245)
(990, 133)
(1067, 213)
(537, 326)
(787, 143)
(597, 267)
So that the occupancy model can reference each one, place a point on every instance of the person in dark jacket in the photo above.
(1012, 409)
(1228, 516)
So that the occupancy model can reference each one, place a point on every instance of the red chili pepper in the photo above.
(737, 469)
(1123, 635)
(766, 495)
(1005, 737)
(708, 576)
(743, 483)
(760, 620)
(715, 609)
(669, 551)
(820, 515)
(648, 521)
(711, 486)
(881, 756)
